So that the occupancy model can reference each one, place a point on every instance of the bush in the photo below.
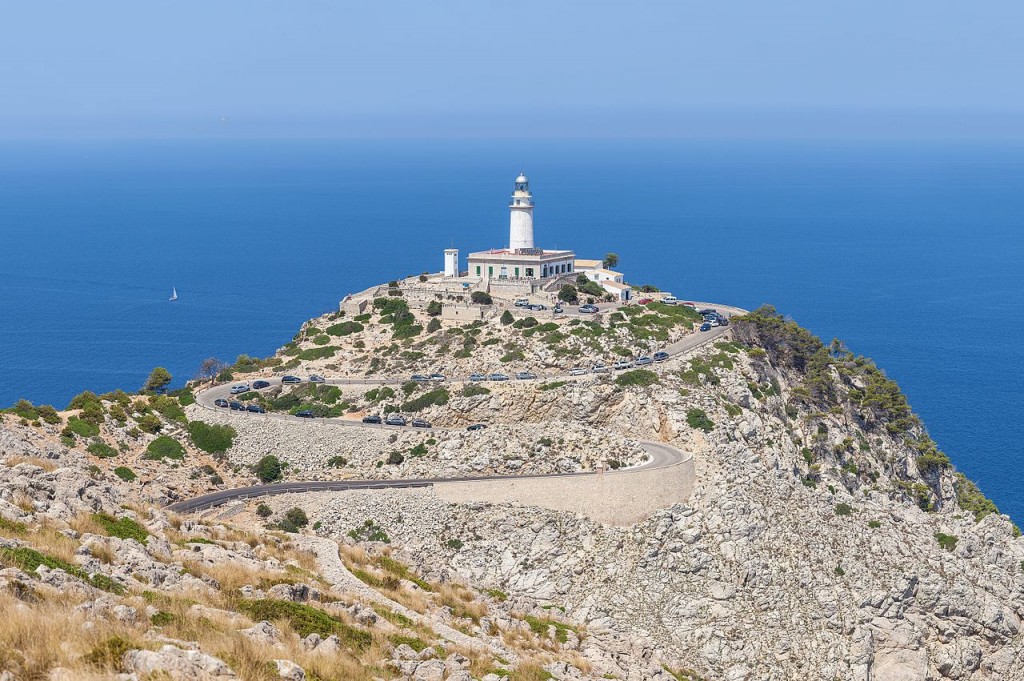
(83, 428)
(29, 560)
(568, 294)
(433, 325)
(158, 378)
(369, 531)
(472, 390)
(337, 462)
(418, 450)
(970, 498)
(345, 328)
(434, 308)
(168, 407)
(125, 473)
(698, 419)
(946, 541)
(264, 511)
(101, 450)
(322, 352)
(395, 458)
(507, 318)
(515, 355)
(306, 620)
(481, 298)
(294, 520)
(551, 386)
(268, 469)
(843, 509)
(437, 397)
(122, 528)
(149, 423)
(164, 447)
(636, 377)
(211, 438)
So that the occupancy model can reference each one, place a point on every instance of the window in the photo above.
(478, 270)
(517, 273)
(490, 271)
(529, 272)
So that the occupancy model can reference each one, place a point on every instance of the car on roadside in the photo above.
(395, 420)
(240, 388)
(670, 300)
(220, 403)
(291, 379)
(707, 310)
(260, 385)
(706, 326)
(714, 322)
(538, 307)
(420, 378)
(316, 378)
(643, 361)
(255, 409)
(237, 406)
(589, 309)
(621, 364)
(372, 418)
(525, 376)
(521, 302)
(476, 426)
(577, 371)
(305, 414)
(557, 309)
(477, 377)
(437, 377)
(723, 321)
(420, 423)
(690, 303)
(600, 368)
(497, 377)
(660, 356)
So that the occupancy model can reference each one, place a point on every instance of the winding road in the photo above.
(661, 455)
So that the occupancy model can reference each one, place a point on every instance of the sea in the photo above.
(911, 252)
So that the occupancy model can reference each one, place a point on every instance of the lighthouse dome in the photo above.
(521, 179)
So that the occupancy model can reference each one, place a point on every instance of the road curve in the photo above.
(661, 454)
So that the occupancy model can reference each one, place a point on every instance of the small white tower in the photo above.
(451, 262)
(520, 233)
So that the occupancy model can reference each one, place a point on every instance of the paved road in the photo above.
(661, 455)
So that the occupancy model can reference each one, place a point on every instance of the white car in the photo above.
(670, 300)
(239, 389)
(521, 302)
(600, 368)
(577, 371)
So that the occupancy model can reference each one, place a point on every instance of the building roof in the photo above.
(508, 255)
(590, 264)
(601, 270)
(615, 284)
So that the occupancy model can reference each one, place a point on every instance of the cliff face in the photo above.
(826, 536)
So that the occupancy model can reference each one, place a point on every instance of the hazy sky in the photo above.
(479, 67)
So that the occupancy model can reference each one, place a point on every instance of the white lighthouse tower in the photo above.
(520, 233)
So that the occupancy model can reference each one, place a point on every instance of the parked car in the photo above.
(643, 361)
(256, 409)
(497, 377)
(600, 368)
(316, 378)
(538, 307)
(622, 364)
(420, 423)
(420, 378)
(690, 303)
(477, 426)
(557, 309)
(525, 375)
(477, 377)
(723, 321)
(291, 379)
(373, 418)
(714, 322)
(394, 420)
(220, 403)
(522, 302)
(660, 356)
(305, 414)
(237, 406)
(437, 377)
(706, 326)
(708, 310)
(239, 389)
(589, 309)
(670, 300)
(577, 371)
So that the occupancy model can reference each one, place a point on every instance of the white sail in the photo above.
(174, 293)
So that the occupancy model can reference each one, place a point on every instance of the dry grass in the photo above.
(46, 464)
(462, 601)
(23, 501)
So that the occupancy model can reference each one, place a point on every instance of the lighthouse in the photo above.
(520, 232)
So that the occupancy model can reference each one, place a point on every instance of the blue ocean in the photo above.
(913, 253)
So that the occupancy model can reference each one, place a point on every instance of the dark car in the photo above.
(477, 426)
(395, 421)
(642, 361)
(707, 311)
(420, 423)
(305, 414)
(437, 377)
(220, 403)
(706, 326)
(316, 378)
(372, 419)
(660, 356)
(538, 307)
(237, 406)
(723, 321)
(291, 379)
(256, 409)
(257, 385)
(525, 376)
(420, 378)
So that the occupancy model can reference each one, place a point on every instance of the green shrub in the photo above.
(946, 541)
(149, 423)
(83, 428)
(395, 458)
(29, 560)
(306, 620)
(101, 450)
(541, 627)
(158, 378)
(369, 531)
(439, 396)
(264, 511)
(434, 308)
(418, 450)
(211, 438)
(506, 318)
(843, 509)
(874, 524)
(636, 377)
(551, 386)
(345, 328)
(337, 462)
(168, 407)
(164, 447)
(322, 352)
(698, 419)
(481, 298)
(433, 325)
(122, 528)
(971, 499)
(568, 294)
(515, 355)
(125, 473)
(294, 519)
(268, 469)
(109, 655)
(472, 390)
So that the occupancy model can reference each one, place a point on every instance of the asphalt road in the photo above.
(661, 455)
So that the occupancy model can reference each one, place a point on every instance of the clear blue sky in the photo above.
(478, 67)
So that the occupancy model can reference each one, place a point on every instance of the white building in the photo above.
(522, 259)
(610, 280)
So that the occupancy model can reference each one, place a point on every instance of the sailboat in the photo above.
(174, 294)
